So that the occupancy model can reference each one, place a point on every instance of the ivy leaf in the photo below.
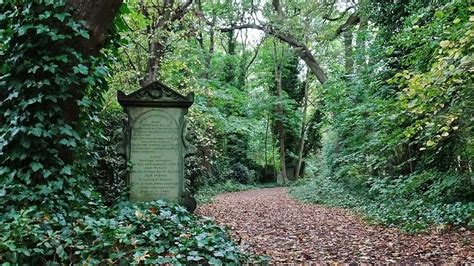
(430, 143)
(35, 166)
(80, 68)
(66, 170)
(36, 131)
(84, 34)
(439, 14)
(60, 16)
(215, 261)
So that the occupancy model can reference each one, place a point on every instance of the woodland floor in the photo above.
(269, 222)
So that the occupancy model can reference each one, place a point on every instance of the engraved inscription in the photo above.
(155, 154)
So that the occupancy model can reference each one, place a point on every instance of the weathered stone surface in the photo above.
(156, 154)
(155, 145)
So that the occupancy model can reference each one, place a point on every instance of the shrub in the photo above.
(242, 174)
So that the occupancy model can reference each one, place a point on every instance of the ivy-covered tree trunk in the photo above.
(98, 17)
(348, 60)
(229, 69)
(52, 76)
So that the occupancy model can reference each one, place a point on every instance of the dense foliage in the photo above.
(153, 232)
(371, 100)
(44, 155)
(399, 132)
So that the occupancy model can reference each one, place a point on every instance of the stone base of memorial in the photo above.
(155, 143)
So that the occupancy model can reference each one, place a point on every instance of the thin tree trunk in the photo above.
(229, 71)
(361, 42)
(279, 123)
(303, 130)
(157, 46)
(211, 47)
(274, 156)
(266, 140)
(155, 56)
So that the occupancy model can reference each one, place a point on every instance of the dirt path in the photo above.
(268, 222)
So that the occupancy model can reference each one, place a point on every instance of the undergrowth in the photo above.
(394, 203)
(206, 194)
(150, 233)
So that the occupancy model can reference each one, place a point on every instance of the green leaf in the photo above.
(36, 131)
(66, 170)
(61, 16)
(84, 34)
(430, 143)
(80, 68)
(35, 166)
(439, 14)
(215, 261)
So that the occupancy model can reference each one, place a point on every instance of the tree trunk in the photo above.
(229, 71)
(156, 53)
(266, 140)
(305, 54)
(361, 40)
(279, 123)
(211, 47)
(98, 17)
(303, 131)
(348, 60)
(157, 45)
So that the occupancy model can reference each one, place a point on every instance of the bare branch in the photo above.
(257, 49)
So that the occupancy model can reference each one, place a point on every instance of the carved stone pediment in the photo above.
(155, 94)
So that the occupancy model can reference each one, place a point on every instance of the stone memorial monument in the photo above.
(155, 142)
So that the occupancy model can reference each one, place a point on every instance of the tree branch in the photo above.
(301, 49)
(352, 20)
(255, 55)
(181, 10)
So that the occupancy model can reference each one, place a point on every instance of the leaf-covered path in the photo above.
(269, 222)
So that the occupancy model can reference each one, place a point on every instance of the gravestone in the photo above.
(155, 142)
